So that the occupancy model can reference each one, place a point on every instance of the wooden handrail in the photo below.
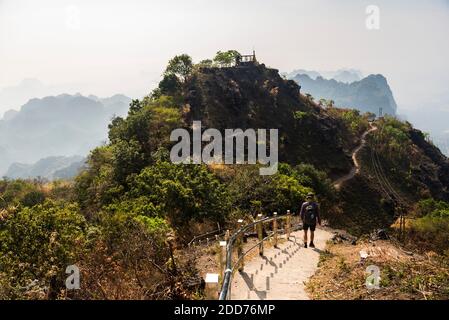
(237, 237)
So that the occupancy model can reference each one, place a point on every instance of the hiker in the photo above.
(310, 215)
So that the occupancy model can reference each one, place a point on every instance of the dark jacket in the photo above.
(317, 211)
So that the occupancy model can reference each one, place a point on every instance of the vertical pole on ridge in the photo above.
(402, 224)
(288, 224)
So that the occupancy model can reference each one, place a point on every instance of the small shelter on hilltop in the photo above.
(246, 60)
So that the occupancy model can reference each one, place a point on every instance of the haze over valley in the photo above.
(47, 137)
(138, 137)
(63, 125)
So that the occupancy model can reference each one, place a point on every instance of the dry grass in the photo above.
(403, 275)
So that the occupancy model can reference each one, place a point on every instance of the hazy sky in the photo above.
(105, 47)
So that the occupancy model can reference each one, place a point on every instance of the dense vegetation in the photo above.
(429, 226)
(122, 218)
(113, 220)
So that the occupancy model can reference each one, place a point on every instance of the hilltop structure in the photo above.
(246, 60)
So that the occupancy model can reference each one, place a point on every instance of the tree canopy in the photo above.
(180, 66)
(226, 57)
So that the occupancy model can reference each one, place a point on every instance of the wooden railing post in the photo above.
(288, 224)
(275, 229)
(171, 244)
(239, 241)
(255, 226)
(222, 256)
(260, 234)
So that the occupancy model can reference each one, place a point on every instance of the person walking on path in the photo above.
(310, 216)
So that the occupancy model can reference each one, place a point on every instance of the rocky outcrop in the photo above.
(258, 97)
(433, 170)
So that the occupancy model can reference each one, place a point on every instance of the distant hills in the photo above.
(367, 94)
(63, 125)
(257, 97)
(50, 168)
(342, 75)
(348, 88)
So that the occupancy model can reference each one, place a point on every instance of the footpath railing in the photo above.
(206, 237)
(231, 254)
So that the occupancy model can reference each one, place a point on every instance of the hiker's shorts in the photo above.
(306, 227)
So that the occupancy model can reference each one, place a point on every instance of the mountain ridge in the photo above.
(49, 168)
(61, 125)
(341, 75)
(367, 95)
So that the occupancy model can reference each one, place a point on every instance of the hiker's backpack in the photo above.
(310, 213)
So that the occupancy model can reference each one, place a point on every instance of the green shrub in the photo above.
(299, 115)
(14, 191)
(33, 198)
(38, 243)
(429, 206)
(252, 193)
(432, 225)
(181, 192)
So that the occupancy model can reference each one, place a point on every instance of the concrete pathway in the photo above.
(281, 272)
